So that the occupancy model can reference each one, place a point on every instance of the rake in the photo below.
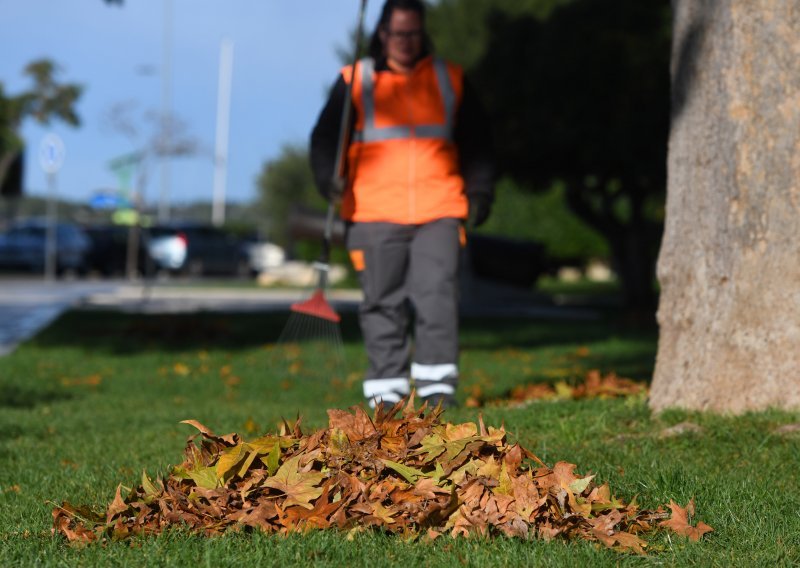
(317, 305)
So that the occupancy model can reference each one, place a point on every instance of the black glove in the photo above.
(334, 189)
(479, 209)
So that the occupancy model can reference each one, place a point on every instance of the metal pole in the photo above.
(223, 121)
(51, 242)
(166, 114)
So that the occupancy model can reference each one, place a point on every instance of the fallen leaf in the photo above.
(300, 488)
(679, 522)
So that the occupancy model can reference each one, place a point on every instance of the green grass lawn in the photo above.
(97, 397)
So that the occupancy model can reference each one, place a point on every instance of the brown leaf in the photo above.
(679, 522)
(355, 426)
(117, 506)
(227, 439)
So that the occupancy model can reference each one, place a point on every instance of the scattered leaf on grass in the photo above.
(680, 429)
(679, 522)
(594, 385)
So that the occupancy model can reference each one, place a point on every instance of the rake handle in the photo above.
(339, 177)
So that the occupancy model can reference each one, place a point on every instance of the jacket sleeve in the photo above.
(473, 138)
(325, 138)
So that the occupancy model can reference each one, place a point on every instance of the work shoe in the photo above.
(447, 401)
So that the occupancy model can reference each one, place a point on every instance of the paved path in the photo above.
(28, 305)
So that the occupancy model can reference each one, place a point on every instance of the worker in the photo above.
(419, 165)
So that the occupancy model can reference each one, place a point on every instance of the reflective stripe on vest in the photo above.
(371, 133)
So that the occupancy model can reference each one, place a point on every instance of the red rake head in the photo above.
(317, 306)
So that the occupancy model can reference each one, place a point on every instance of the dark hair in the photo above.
(376, 45)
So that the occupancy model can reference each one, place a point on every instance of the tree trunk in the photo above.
(729, 265)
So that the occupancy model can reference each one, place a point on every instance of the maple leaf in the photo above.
(579, 485)
(258, 516)
(410, 474)
(384, 514)
(460, 431)
(272, 461)
(322, 514)
(427, 488)
(355, 426)
(117, 506)
(627, 541)
(300, 488)
(679, 522)
(151, 490)
(205, 477)
(231, 457)
(470, 468)
(526, 496)
(490, 468)
(506, 485)
(227, 439)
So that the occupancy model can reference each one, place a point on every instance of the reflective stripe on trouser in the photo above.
(404, 266)
(385, 390)
(434, 379)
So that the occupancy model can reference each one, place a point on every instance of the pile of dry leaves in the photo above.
(403, 470)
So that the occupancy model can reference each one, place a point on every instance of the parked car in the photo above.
(24, 245)
(109, 252)
(180, 248)
(197, 249)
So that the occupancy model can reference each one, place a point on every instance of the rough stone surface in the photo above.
(729, 266)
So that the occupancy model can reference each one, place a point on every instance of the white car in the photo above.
(167, 249)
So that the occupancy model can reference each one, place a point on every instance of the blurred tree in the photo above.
(46, 100)
(566, 239)
(578, 91)
(284, 182)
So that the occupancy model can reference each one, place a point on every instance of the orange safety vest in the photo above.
(402, 162)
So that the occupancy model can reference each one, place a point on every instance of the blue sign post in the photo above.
(51, 158)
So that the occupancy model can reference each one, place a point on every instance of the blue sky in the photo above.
(284, 62)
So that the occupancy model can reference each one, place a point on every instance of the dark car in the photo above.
(24, 246)
(109, 251)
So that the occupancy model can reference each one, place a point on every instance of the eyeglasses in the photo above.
(410, 34)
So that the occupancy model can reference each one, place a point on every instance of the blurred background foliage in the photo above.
(578, 95)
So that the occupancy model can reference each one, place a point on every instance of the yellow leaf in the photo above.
(205, 477)
(458, 432)
(579, 485)
(180, 369)
(563, 390)
(230, 458)
(505, 487)
(409, 473)
(150, 489)
(490, 468)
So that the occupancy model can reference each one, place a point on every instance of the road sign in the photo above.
(51, 153)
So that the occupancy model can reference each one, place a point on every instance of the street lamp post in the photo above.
(166, 115)
(223, 121)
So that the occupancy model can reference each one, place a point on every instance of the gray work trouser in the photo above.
(404, 266)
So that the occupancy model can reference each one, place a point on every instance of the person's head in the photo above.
(400, 36)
